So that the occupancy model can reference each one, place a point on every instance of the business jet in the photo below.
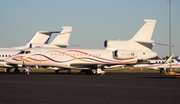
(39, 40)
(162, 65)
(91, 60)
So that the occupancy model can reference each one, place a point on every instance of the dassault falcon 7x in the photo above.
(39, 40)
(91, 60)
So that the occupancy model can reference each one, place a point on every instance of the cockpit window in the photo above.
(27, 52)
(22, 52)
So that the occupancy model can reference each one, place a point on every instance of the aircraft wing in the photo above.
(92, 66)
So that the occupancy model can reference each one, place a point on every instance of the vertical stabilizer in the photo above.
(62, 38)
(140, 41)
(145, 33)
(169, 59)
(41, 37)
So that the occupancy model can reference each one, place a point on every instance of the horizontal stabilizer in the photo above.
(162, 44)
(144, 41)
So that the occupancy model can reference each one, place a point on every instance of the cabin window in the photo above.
(5, 55)
(2, 55)
(9, 55)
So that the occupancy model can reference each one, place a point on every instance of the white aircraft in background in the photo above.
(161, 65)
(39, 40)
(60, 41)
(91, 60)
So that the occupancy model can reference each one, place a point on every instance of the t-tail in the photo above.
(144, 35)
(62, 39)
(140, 41)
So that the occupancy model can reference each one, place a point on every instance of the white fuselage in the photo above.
(72, 58)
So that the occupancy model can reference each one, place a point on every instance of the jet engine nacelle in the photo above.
(114, 43)
(122, 55)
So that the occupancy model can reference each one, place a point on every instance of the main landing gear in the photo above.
(98, 71)
(57, 71)
(7, 70)
(16, 70)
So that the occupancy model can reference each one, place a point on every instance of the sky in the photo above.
(93, 21)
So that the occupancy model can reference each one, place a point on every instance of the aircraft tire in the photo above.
(162, 71)
(57, 71)
(7, 70)
(17, 71)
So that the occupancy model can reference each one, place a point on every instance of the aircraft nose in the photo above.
(155, 54)
(10, 60)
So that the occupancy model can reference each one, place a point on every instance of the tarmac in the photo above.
(112, 88)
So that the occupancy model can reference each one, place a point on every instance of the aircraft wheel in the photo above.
(162, 71)
(69, 71)
(7, 70)
(24, 71)
(16, 70)
(56, 71)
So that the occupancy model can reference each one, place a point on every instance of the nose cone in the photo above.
(148, 55)
(154, 54)
(8, 60)
(151, 55)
